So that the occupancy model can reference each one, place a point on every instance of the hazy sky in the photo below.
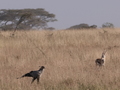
(72, 12)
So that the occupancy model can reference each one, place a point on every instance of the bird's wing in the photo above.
(31, 71)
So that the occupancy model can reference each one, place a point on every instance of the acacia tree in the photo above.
(25, 19)
(107, 25)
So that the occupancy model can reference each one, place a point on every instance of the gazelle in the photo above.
(101, 61)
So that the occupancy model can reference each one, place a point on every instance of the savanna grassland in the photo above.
(68, 55)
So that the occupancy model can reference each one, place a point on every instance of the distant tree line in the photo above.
(83, 26)
(27, 19)
(31, 19)
(86, 26)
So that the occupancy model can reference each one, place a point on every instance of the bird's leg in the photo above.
(33, 80)
(38, 79)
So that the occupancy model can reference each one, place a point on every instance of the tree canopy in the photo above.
(25, 19)
(107, 25)
(83, 26)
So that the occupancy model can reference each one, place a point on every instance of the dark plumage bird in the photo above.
(34, 74)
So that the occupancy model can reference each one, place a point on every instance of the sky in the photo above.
(72, 12)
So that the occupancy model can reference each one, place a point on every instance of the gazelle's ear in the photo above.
(104, 51)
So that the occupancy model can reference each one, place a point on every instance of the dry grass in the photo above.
(69, 59)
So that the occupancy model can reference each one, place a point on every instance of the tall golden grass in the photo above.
(68, 55)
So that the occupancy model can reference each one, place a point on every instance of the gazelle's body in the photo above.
(34, 74)
(101, 61)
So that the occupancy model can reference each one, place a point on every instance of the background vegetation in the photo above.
(35, 19)
(68, 55)
(27, 19)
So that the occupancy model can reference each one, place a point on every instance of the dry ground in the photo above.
(68, 55)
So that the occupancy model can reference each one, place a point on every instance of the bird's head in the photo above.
(42, 67)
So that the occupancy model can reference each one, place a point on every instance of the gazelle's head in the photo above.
(103, 54)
